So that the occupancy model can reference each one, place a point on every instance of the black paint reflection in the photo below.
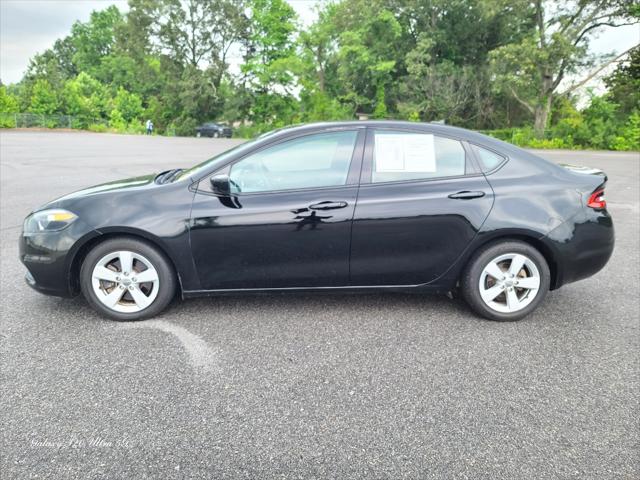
(230, 202)
(308, 218)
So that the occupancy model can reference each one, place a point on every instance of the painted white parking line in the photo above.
(201, 356)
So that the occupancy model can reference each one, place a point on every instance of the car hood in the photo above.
(128, 184)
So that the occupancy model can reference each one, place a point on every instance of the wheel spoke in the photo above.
(491, 293)
(126, 261)
(103, 273)
(516, 264)
(494, 270)
(529, 282)
(149, 275)
(114, 297)
(139, 297)
(512, 299)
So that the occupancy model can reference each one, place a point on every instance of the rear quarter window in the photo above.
(488, 159)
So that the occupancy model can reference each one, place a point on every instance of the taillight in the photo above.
(596, 200)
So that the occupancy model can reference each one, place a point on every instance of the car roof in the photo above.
(437, 128)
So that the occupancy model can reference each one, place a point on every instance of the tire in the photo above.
(477, 281)
(102, 279)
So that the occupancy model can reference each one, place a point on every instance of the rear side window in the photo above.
(399, 156)
(488, 159)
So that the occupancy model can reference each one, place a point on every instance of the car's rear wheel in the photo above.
(506, 281)
(127, 279)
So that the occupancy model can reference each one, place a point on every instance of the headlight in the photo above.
(48, 221)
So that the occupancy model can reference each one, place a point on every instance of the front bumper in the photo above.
(49, 258)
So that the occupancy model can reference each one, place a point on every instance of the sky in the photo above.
(28, 27)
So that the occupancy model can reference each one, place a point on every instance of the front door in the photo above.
(287, 223)
(420, 205)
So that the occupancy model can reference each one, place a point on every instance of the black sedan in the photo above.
(351, 207)
(213, 130)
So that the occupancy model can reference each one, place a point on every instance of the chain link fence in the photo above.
(37, 120)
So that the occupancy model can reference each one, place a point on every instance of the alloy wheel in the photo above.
(509, 282)
(125, 281)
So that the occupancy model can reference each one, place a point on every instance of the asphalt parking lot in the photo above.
(303, 386)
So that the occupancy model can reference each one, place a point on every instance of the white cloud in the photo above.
(28, 27)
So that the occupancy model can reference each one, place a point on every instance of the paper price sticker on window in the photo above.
(404, 153)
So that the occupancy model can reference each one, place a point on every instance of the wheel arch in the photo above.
(91, 242)
(529, 238)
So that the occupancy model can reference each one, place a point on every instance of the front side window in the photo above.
(320, 160)
(399, 156)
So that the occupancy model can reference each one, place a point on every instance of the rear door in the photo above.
(421, 202)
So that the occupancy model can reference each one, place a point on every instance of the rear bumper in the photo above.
(582, 248)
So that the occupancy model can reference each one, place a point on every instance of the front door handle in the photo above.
(327, 205)
(466, 195)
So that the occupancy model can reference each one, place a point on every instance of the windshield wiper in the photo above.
(168, 176)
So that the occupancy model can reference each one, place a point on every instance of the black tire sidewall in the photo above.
(165, 271)
(471, 279)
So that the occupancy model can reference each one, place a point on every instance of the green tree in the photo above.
(86, 98)
(8, 105)
(53, 65)
(269, 53)
(44, 99)
(8, 102)
(624, 84)
(317, 45)
(629, 137)
(315, 68)
(533, 69)
(95, 39)
(436, 91)
(128, 104)
(191, 32)
(367, 60)
(445, 44)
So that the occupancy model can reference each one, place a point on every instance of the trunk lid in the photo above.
(585, 170)
(591, 183)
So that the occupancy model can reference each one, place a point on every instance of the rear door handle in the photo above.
(466, 195)
(327, 205)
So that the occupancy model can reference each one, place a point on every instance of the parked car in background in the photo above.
(344, 207)
(214, 130)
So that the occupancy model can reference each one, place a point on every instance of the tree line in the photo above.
(512, 66)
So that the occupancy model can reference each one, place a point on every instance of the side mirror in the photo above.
(221, 185)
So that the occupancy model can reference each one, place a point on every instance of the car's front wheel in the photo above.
(506, 281)
(127, 279)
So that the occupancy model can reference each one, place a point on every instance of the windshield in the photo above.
(220, 159)
(212, 162)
